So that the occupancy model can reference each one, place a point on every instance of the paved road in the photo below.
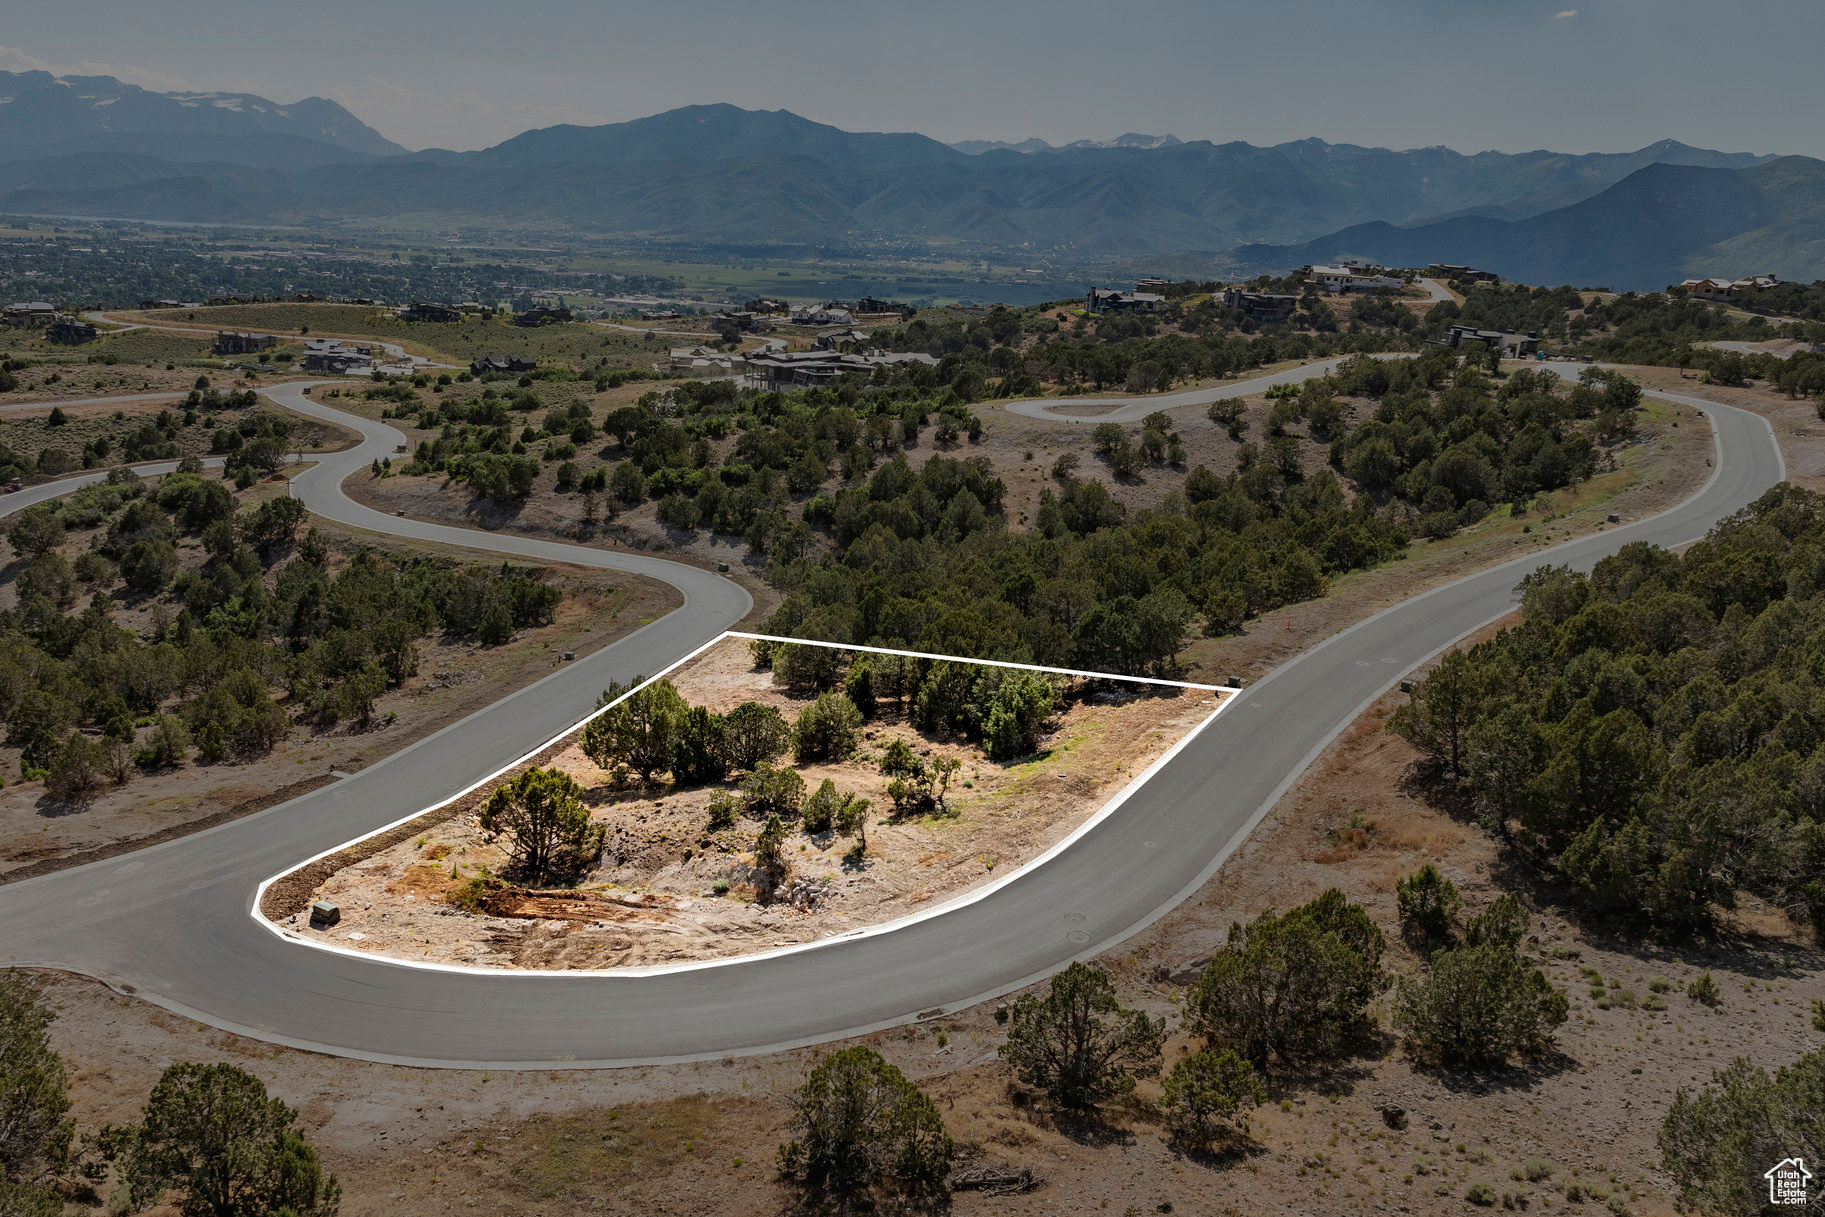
(118, 400)
(1133, 409)
(173, 923)
(1756, 348)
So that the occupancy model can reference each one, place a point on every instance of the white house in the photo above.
(1350, 277)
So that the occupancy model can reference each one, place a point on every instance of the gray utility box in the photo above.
(325, 913)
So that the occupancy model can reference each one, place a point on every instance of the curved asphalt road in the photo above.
(172, 923)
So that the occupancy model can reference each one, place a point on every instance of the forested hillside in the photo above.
(1654, 732)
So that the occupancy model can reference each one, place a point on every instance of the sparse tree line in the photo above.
(210, 1141)
(156, 438)
(1284, 997)
(1672, 331)
(1655, 731)
(654, 731)
(88, 701)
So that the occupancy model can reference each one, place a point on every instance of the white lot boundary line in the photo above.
(987, 663)
(1103, 813)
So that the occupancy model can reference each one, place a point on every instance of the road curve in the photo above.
(172, 923)
(1133, 409)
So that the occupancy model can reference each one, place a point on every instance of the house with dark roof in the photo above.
(1114, 300)
(1260, 306)
(420, 310)
(510, 365)
(231, 342)
(71, 332)
(28, 313)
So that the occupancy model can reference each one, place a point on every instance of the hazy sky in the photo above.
(1607, 75)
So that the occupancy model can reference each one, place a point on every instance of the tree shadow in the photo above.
(1503, 1079)
(50, 807)
(1234, 1150)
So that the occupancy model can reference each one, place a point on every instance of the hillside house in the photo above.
(28, 313)
(1350, 277)
(1463, 274)
(232, 342)
(510, 365)
(543, 315)
(841, 340)
(420, 310)
(823, 314)
(1511, 344)
(71, 332)
(1727, 291)
(776, 369)
(1259, 306)
(335, 356)
(698, 360)
(1114, 300)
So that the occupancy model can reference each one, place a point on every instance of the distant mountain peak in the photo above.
(1133, 139)
(101, 113)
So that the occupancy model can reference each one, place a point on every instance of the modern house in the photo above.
(1511, 344)
(1114, 300)
(231, 342)
(510, 365)
(335, 356)
(775, 369)
(420, 310)
(28, 313)
(1463, 274)
(1349, 277)
(543, 315)
(71, 332)
(1259, 306)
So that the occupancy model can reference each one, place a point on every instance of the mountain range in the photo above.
(1660, 224)
(42, 114)
(718, 175)
(975, 147)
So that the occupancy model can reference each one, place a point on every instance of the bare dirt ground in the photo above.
(455, 679)
(699, 1139)
(653, 898)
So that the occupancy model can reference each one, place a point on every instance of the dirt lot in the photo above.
(699, 1139)
(455, 679)
(652, 897)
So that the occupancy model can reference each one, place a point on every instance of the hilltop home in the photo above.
(28, 313)
(841, 340)
(1260, 306)
(698, 359)
(1727, 291)
(1511, 344)
(542, 316)
(71, 332)
(420, 310)
(1349, 277)
(1463, 274)
(1113, 300)
(509, 364)
(229, 342)
(774, 369)
(827, 314)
